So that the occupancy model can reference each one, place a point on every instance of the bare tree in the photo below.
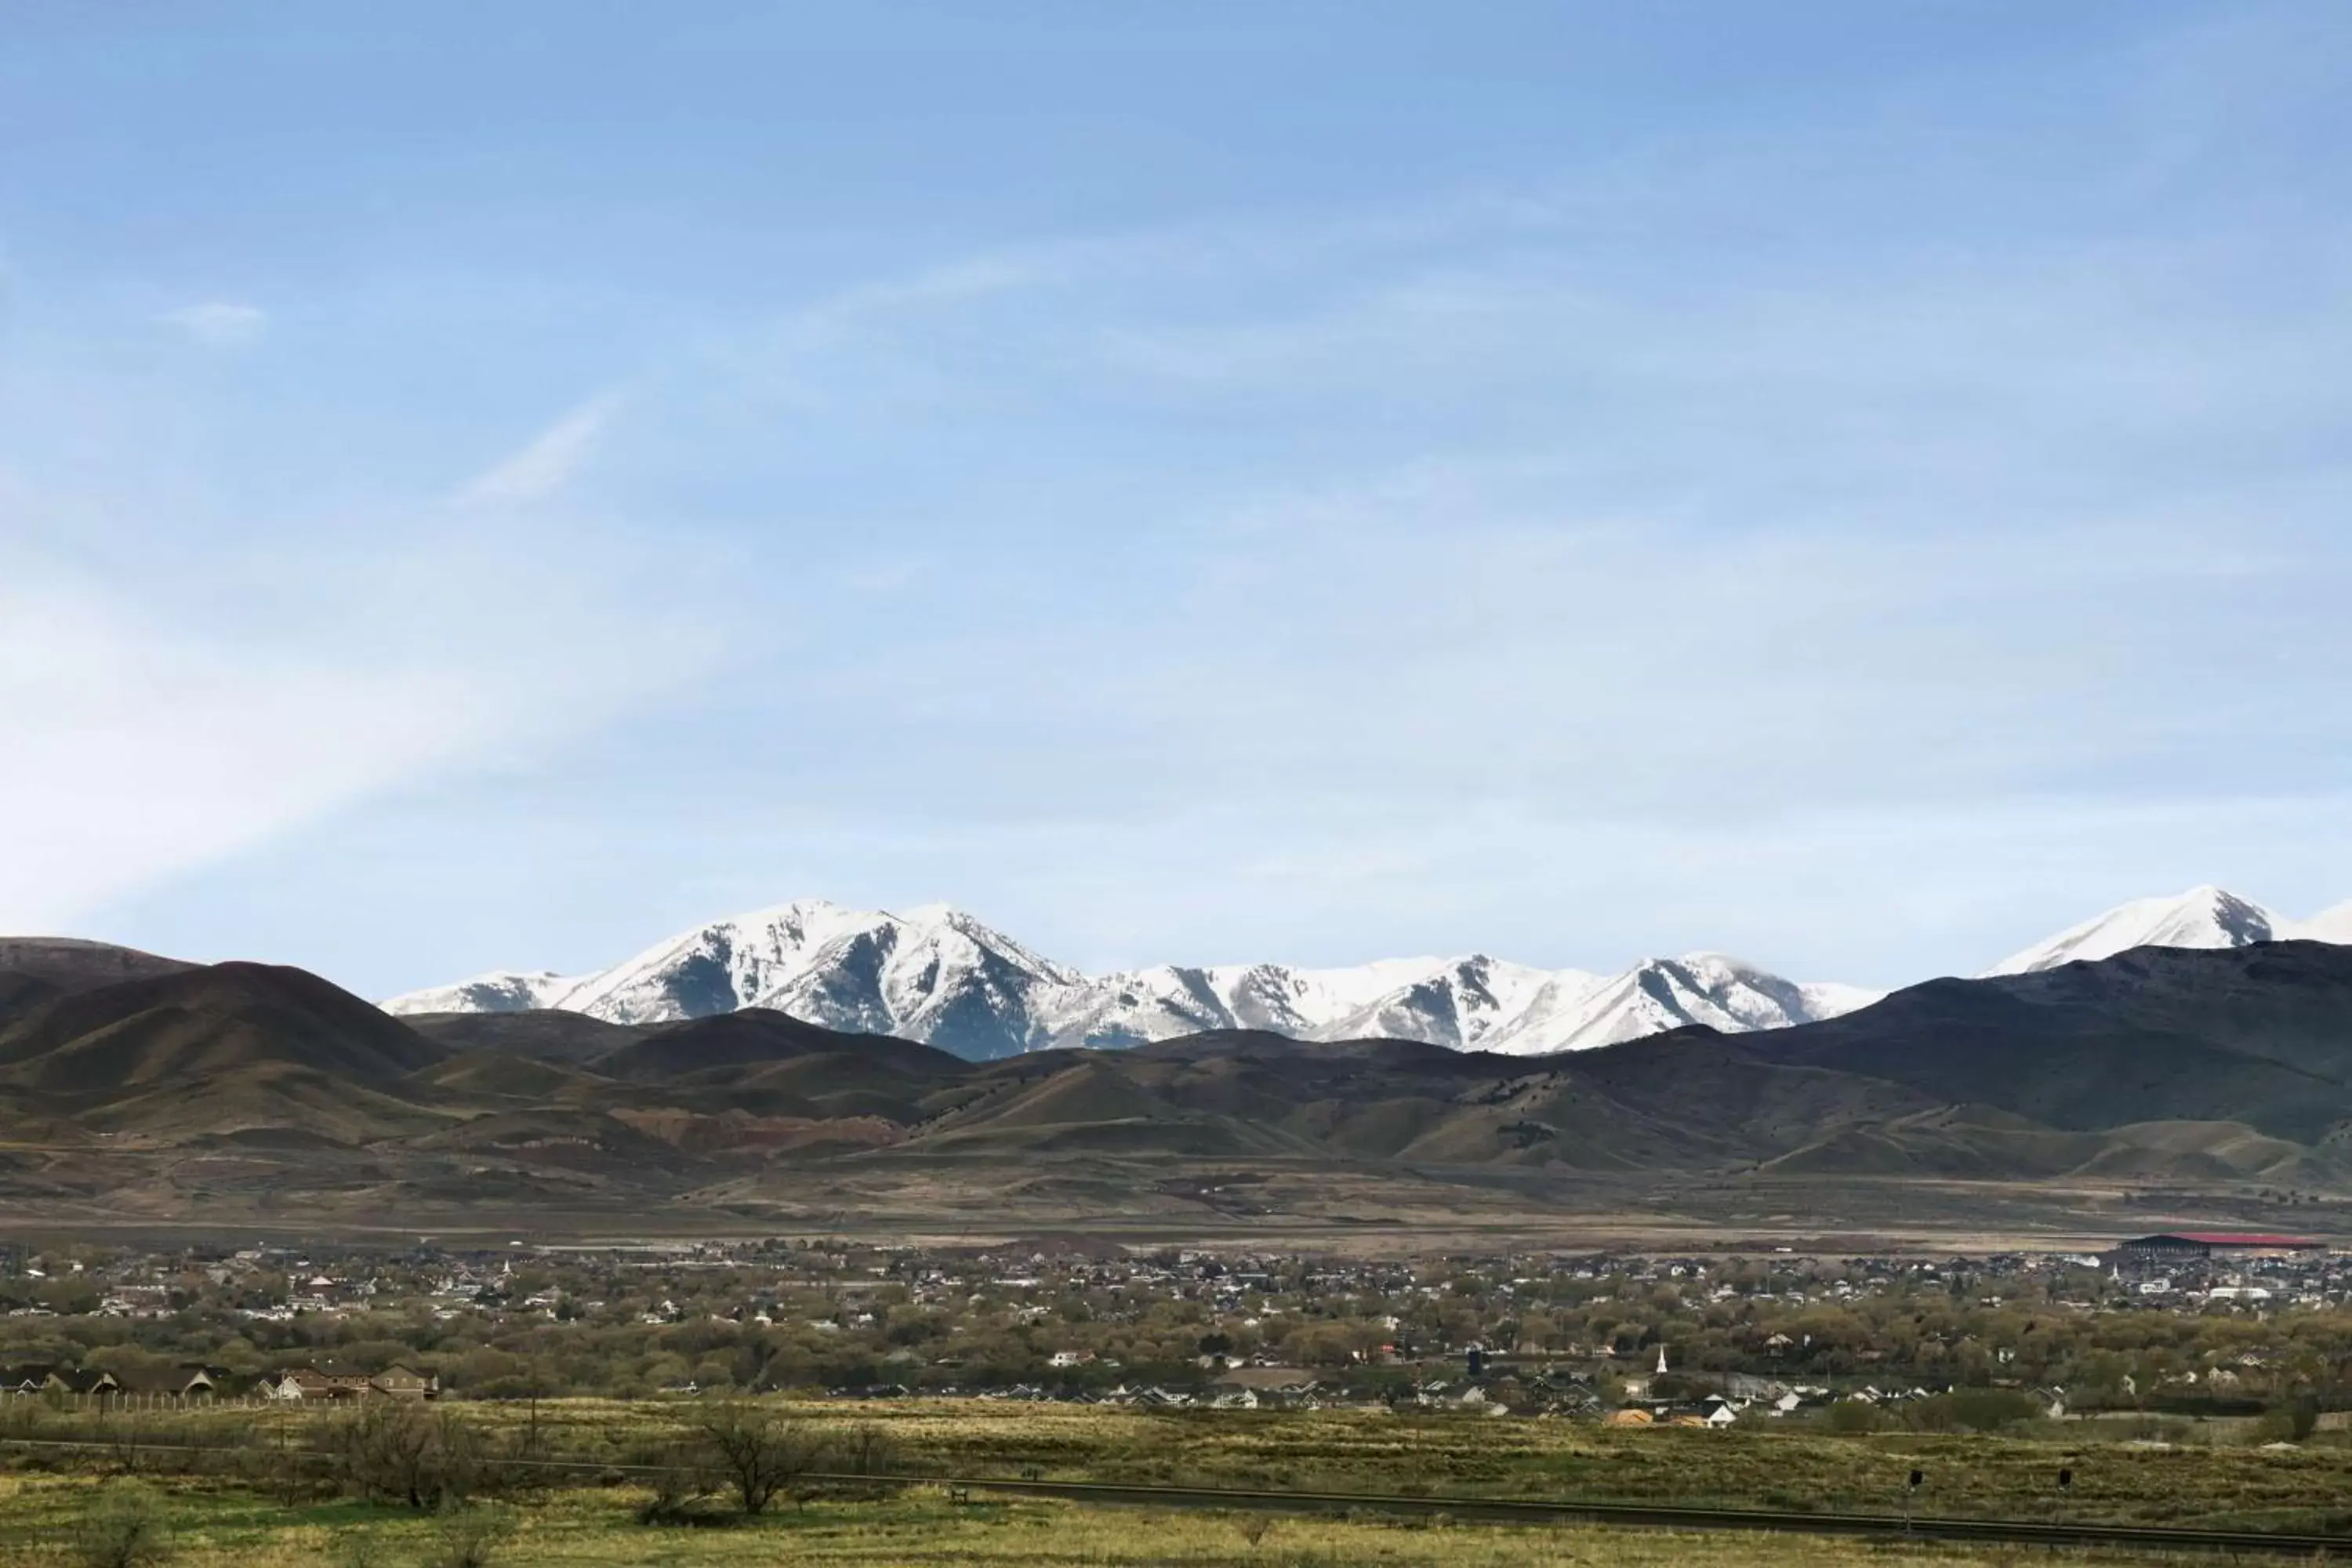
(402, 1453)
(762, 1453)
(468, 1536)
(681, 1480)
(869, 1449)
(384, 1450)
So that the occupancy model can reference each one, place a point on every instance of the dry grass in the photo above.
(1762, 1464)
(213, 1528)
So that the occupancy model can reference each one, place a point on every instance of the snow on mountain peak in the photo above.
(1661, 994)
(501, 991)
(2205, 917)
(936, 974)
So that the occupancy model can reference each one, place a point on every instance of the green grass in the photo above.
(238, 1508)
(211, 1528)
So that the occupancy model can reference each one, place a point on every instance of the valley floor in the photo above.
(42, 1522)
(1303, 1211)
(258, 1488)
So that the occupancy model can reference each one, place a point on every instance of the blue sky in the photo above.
(1852, 485)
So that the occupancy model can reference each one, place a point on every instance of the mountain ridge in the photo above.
(936, 974)
(268, 1087)
(941, 976)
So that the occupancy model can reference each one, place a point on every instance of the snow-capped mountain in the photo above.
(2201, 917)
(501, 991)
(1667, 994)
(939, 976)
(936, 974)
(929, 974)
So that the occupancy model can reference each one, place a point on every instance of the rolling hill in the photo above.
(248, 1088)
(191, 1022)
(2261, 1034)
(36, 968)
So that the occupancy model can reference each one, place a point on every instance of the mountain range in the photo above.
(938, 976)
(135, 1087)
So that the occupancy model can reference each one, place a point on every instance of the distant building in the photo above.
(404, 1383)
(310, 1383)
(2218, 1243)
(34, 1378)
(1247, 1387)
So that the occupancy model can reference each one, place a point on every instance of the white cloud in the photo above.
(220, 324)
(142, 744)
(547, 462)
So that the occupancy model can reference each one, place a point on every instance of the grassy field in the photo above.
(241, 1505)
(40, 1523)
(2228, 1484)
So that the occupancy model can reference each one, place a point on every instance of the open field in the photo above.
(1301, 1207)
(209, 1528)
(573, 1452)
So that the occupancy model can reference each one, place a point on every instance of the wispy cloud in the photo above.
(144, 744)
(220, 324)
(547, 462)
(1546, 564)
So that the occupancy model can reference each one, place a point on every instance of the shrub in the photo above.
(124, 1528)
(1973, 1409)
(2289, 1421)
(357, 1549)
(867, 1449)
(1852, 1417)
(681, 1491)
(468, 1536)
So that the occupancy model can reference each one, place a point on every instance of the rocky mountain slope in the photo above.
(939, 976)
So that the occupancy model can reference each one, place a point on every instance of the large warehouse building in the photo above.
(2219, 1243)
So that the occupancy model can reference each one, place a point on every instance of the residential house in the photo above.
(310, 1383)
(1248, 1387)
(36, 1377)
(186, 1382)
(405, 1382)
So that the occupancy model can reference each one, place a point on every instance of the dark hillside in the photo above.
(72, 964)
(543, 1032)
(760, 1036)
(2224, 1072)
(35, 969)
(2258, 1035)
(196, 1021)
